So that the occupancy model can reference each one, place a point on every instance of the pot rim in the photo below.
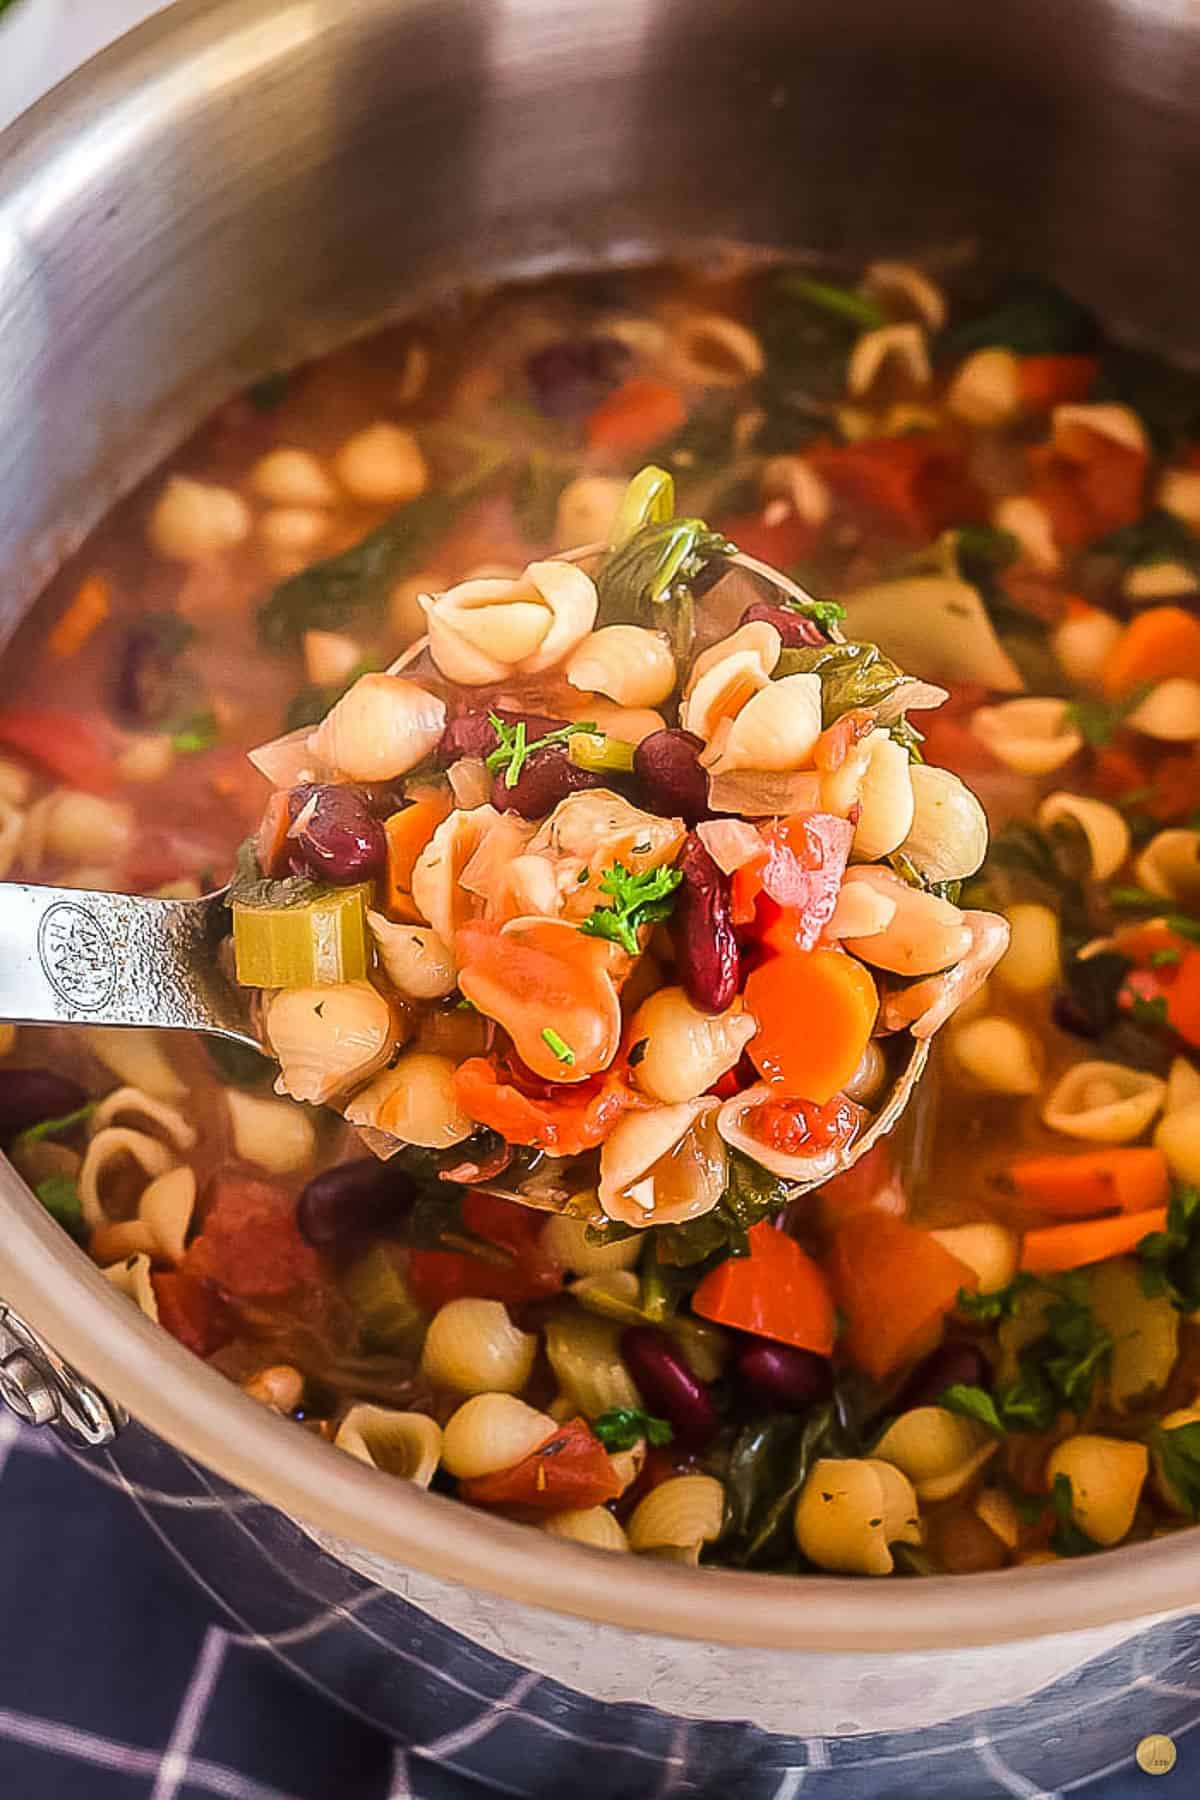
(55, 1287)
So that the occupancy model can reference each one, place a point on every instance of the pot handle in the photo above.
(41, 1389)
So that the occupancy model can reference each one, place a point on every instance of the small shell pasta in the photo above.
(947, 836)
(1032, 962)
(473, 1347)
(383, 727)
(629, 664)
(126, 1101)
(594, 1526)
(663, 1167)
(775, 730)
(906, 292)
(886, 798)
(84, 828)
(192, 520)
(716, 350)
(419, 964)
(924, 934)
(1183, 1085)
(481, 631)
(1170, 712)
(1106, 1476)
(328, 1039)
(1106, 832)
(1178, 1137)
(587, 510)
(382, 465)
(491, 1432)
(998, 1054)
(1170, 865)
(288, 476)
(109, 1148)
(686, 1050)
(1082, 644)
(276, 1135)
(565, 1241)
(1104, 1102)
(990, 1249)
(137, 1057)
(1144, 1329)
(166, 1209)
(849, 1511)
(1031, 736)
(986, 389)
(939, 1451)
(415, 1102)
(1030, 523)
(900, 347)
(132, 1276)
(1179, 493)
(407, 1444)
(683, 1513)
(585, 1354)
(437, 889)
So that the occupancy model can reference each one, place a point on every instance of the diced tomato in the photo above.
(801, 874)
(776, 1292)
(870, 1185)
(1089, 485)
(72, 748)
(571, 1470)
(436, 1276)
(249, 1244)
(1183, 999)
(564, 1121)
(916, 485)
(802, 1127)
(637, 415)
(191, 1311)
(1174, 785)
(1049, 381)
(1117, 771)
(782, 542)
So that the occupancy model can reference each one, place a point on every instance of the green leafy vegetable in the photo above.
(807, 330)
(250, 887)
(1032, 317)
(751, 1194)
(1055, 1373)
(1171, 1258)
(829, 297)
(511, 752)
(53, 1128)
(624, 1426)
(851, 675)
(1178, 1451)
(1001, 1303)
(1098, 721)
(269, 391)
(359, 580)
(1152, 1014)
(1067, 1539)
(823, 612)
(980, 551)
(638, 900)
(973, 1403)
(1053, 866)
(768, 1463)
(60, 1197)
(558, 1046)
(649, 579)
(1165, 397)
(196, 731)
(649, 499)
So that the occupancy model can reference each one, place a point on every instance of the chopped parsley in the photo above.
(624, 1426)
(1151, 1013)
(60, 1197)
(1171, 1258)
(973, 1403)
(194, 732)
(1001, 1303)
(639, 900)
(822, 612)
(1055, 1373)
(1177, 1448)
(513, 750)
(558, 1045)
(53, 1128)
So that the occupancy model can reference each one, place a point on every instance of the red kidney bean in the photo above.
(30, 1096)
(794, 629)
(473, 734)
(673, 783)
(353, 1200)
(147, 683)
(950, 1365)
(545, 778)
(570, 378)
(1069, 1015)
(669, 1387)
(340, 841)
(706, 946)
(783, 1377)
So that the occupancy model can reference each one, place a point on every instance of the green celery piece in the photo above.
(389, 1317)
(648, 500)
(328, 595)
(321, 941)
(588, 750)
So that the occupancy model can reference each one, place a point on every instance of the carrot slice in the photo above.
(815, 1011)
(636, 416)
(894, 1285)
(1059, 1247)
(407, 833)
(1161, 642)
(776, 1292)
(1048, 381)
(86, 613)
(1131, 1179)
(1183, 999)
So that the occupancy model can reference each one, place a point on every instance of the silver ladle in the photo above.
(75, 956)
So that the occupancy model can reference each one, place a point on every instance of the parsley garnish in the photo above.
(1001, 1303)
(1067, 1539)
(1055, 1373)
(624, 1426)
(639, 900)
(512, 751)
(1151, 1013)
(558, 1045)
(822, 612)
(52, 1128)
(1171, 1258)
(973, 1403)
(1178, 1450)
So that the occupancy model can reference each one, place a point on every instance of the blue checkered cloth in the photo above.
(122, 1679)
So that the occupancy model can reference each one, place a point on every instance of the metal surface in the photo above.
(69, 956)
(41, 1389)
(246, 181)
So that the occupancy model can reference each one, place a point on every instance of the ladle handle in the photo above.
(69, 956)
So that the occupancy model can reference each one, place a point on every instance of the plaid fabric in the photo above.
(121, 1678)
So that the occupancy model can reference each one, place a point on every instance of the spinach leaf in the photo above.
(1032, 317)
(623, 1426)
(650, 579)
(807, 330)
(248, 885)
(1178, 1451)
(1098, 721)
(1067, 1539)
(851, 675)
(1053, 866)
(357, 581)
(60, 1197)
(973, 1403)
(52, 1128)
(1158, 536)
(1001, 1303)
(751, 1194)
(769, 1462)
(1055, 1373)
(1171, 1258)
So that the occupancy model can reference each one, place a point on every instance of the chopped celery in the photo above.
(321, 940)
(590, 750)
(389, 1317)
(648, 500)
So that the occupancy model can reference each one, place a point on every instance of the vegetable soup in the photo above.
(591, 891)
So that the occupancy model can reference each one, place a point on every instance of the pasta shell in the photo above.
(407, 1444)
(686, 1050)
(383, 727)
(757, 639)
(986, 389)
(715, 350)
(491, 1432)
(482, 631)
(631, 665)
(721, 692)
(938, 1450)
(1107, 1476)
(193, 520)
(998, 1055)
(795, 480)
(382, 465)
(437, 889)
(584, 1352)
(131, 1100)
(935, 625)
(414, 1102)
(1144, 1329)
(111, 1146)
(590, 1525)
(276, 1135)
(1106, 831)
(1170, 865)
(474, 1347)
(133, 1277)
(1104, 1102)
(906, 291)
(682, 1513)
(663, 1167)
(848, 1512)
(328, 1039)
(587, 510)
(565, 1241)
(924, 934)
(775, 730)
(735, 1122)
(136, 1055)
(1119, 424)
(899, 345)
(925, 1006)
(1032, 736)
(886, 799)
(1030, 523)
(167, 1207)
(947, 840)
(419, 964)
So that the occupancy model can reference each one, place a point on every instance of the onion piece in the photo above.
(287, 761)
(731, 843)
(757, 794)
(927, 1005)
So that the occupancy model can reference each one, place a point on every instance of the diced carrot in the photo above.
(815, 1011)
(1130, 1179)
(1161, 642)
(61, 742)
(571, 1470)
(1183, 998)
(636, 416)
(781, 542)
(566, 1123)
(1049, 381)
(1056, 1248)
(1143, 942)
(86, 613)
(894, 1285)
(776, 1292)
(407, 832)
(1089, 484)
(916, 485)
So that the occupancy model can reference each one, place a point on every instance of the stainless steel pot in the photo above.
(241, 183)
